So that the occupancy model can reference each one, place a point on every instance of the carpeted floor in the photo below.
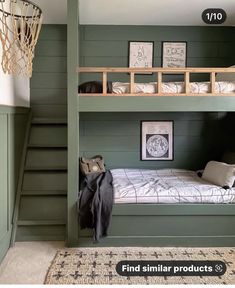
(98, 265)
(28, 262)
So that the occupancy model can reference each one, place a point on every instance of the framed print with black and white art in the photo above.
(174, 54)
(157, 140)
(141, 55)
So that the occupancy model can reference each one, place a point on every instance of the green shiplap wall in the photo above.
(116, 136)
(108, 46)
(48, 85)
(12, 128)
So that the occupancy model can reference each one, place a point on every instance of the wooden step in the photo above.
(41, 169)
(40, 222)
(48, 146)
(51, 121)
(44, 193)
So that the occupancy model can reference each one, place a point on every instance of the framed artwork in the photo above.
(174, 54)
(157, 140)
(141, 55)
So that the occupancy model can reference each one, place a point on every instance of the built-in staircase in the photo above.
(40, 209)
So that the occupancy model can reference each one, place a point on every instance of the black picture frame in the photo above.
(145, 154)
(129, 56)
(175, 42)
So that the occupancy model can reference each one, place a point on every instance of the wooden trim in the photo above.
(159, 82)
(212, 80)
(132, 82)
(160, 71)
(20, 180)
(156, 94)
(187, 84)
(105, 78)
(153, 70)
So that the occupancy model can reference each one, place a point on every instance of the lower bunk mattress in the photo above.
(166, 186)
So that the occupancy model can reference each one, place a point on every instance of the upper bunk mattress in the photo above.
(174, 87)
(166, 186)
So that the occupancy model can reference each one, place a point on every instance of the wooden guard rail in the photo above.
(159, 72)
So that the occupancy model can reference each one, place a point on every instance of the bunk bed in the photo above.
(144, 224)
(175, 224)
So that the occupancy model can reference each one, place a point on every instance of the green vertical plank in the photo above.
(73, 36)
(4, 209)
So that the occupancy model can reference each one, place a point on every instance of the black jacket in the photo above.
(95, 203)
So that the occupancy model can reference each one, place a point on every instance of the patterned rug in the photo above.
(98, 265)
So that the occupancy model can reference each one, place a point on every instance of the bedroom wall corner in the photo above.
(15, 90)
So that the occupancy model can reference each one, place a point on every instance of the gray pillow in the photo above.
(229, 157)
(219, 173)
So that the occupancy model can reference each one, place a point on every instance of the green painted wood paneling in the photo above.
(4, 192)
(44, 64)
(43, 208)
(131, 226)
(51, 48)
(162, 241)
(108, 46)
(41, 233)
(46, 158)
(50, 111)
(48, 135)
(168, 225)
(157, 104)
(12, 129)
(73, 120)
(166, 33)
(49, 97)
(45, 181)
(49, 81)
(117, 138)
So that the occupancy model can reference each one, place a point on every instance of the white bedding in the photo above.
(166, 186)
(174, 87)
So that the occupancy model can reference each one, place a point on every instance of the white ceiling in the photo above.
(54, 11)
(137, 12)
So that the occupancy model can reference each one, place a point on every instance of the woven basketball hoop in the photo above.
(20, 25)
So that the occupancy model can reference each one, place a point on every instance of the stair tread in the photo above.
(52, 121)
(43, 192)
(58, 168)
(40, 222)
(47, 146)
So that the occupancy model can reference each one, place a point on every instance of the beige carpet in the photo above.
(98, 265)
(28, 262)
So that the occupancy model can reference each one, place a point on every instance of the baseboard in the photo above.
(4, 245)
(174, 241)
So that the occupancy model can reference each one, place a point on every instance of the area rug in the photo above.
(98, 265)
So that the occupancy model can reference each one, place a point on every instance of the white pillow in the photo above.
(219, 173)
(230, 77)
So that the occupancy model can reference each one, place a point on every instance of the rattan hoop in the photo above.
(20, 25)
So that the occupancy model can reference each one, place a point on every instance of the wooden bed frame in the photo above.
(168, 225)
(159, 73)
